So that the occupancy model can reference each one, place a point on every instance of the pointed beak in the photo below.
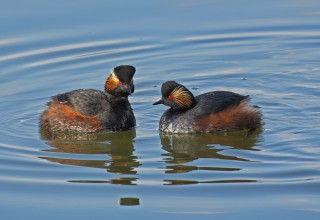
(158, 102)
(129, 89)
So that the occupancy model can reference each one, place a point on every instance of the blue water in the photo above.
(269, 50)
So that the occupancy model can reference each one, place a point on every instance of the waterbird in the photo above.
(216, 111)
(91, 110)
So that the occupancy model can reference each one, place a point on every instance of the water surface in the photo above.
(268, 50)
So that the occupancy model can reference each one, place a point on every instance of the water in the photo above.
(269, 50)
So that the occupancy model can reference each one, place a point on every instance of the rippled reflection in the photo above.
(185, 148)
(118, 145)
(188, 182)
(116, 181)
(130, 201)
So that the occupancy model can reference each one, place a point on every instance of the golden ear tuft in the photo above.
(112, 82)
(181, 97)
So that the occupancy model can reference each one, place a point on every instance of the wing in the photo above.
(213, 102)
(86, 101)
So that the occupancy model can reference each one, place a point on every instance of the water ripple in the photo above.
(245, 61)
(250, 36)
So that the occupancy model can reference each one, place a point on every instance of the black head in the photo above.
(120, 81)
(176, 96)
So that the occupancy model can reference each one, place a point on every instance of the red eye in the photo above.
(170, 97)
(120, 83)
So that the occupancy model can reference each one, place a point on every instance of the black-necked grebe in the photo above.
(90, 110)
(209, 112)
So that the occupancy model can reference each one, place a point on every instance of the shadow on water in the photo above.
(189, 147)
(182, 150)
(119, 146)
(186, 148)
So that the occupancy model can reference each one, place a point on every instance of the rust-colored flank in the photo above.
(231, 118)
(61, 116)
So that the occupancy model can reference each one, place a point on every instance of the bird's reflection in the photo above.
(185, 148)
(118, 145)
